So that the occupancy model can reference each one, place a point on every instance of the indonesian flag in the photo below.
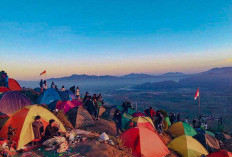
(43, 73)
(197, 94)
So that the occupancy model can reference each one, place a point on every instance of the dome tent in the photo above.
(48, 96)
(182, 128)
(221, 153)
(13, 85)
(209, 142)
(142, 121)
(187, 146)
(12, 101)
(22, 121)
(144, 142)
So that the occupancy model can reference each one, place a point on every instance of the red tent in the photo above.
(144, 142)
(67, 105)
(4, 89)
(221, 153)
(14, 85)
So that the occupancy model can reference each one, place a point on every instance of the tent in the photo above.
(71, 95)
(221, 153)
(209, 142)
(79, 117)
(64, 95)
(13, 85)
(22, 121)
(187, 146)
(125, 120)
(12, 101)
(137, 114)
(199, 130)
(182, 128)
(142, 121)
(4, 89)
(144, 142)
(130, 110)
(67, 105)
(48, 96)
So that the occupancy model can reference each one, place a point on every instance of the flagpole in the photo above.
(199, 105)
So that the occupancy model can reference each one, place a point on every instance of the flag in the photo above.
(197, 94)
(43, 73)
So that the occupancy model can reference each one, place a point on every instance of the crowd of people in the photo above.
(43, 86)
(93, 104)
(4, 79)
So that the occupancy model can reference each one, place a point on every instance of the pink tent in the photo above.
(67, 105)
(138, 114)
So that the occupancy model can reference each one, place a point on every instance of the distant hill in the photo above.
(134, 76)
(174, 74)
(214, 79)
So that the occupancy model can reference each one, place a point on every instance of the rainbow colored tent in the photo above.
(142, 121)
(144, 142)
(22, 121)
(12, 101)
(187, 146)
(13, 85)
(221, 153)
(48, 96)
(182, 128)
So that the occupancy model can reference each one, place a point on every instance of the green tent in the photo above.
(130, 110)
(125, 120)
(182, 128)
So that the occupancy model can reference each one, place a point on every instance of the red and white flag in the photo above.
(43, 73)
(197, 94)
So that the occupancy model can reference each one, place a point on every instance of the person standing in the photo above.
(53, 85)
(45, 86)
(41, 85)
(77, 92)
(118, 120)
(62, 89)
(6, 80)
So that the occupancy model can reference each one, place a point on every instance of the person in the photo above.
(125, 105)
(90, 106)
(51, 130)
(85, 97)
(178, 117)
(150, 112)
(38, 128)
(194, 123)
(118, 120)
(77, 92)
(186, 120)
(206, 126)
(41, 85)
(62, 89)
(172, 118)
(53, 85)
(72, 89)
(159, 125)
(96, 109)
(45, 86)
(6, 80)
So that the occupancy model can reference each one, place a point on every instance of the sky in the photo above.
(113, 37)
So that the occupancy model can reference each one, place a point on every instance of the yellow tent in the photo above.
(182, 128)
(22, 120)
(187, 146)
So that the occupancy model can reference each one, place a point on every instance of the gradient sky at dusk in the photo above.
(113, 37)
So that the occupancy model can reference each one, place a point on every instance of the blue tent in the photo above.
(64, 95)
(48, 96)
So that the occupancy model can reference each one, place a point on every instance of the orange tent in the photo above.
(14, 85)
(22, 120)
(144, 142)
